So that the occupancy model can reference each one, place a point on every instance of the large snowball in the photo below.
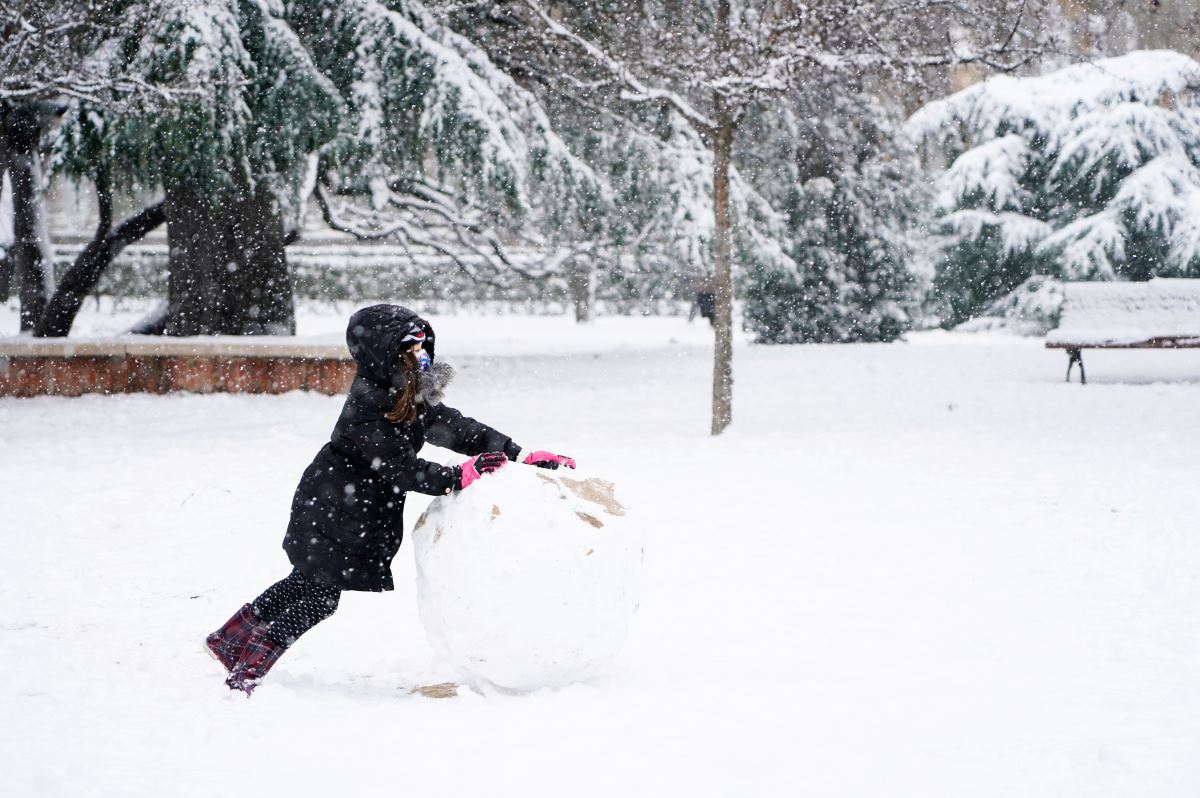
(528, 578)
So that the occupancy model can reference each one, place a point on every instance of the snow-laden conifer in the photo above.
(1089, 172)
(400, 128)
(852, 194)
(266, 109)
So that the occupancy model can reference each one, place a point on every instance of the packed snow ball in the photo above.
(528, 578)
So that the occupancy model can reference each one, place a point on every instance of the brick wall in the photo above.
(267, 365)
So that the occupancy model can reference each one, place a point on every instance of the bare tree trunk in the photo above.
(228, 268)
(32, 260)
(726, 126)
(722, 399)
(581, 278)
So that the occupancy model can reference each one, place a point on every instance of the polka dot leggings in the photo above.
(293, 605)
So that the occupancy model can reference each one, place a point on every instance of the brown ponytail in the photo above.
(406, 404)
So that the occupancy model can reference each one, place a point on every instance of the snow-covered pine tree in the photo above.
(1091, 172)
(852, 196)
(228, 162)
(399, 127)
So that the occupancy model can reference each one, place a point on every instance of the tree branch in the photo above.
(400, 230)
(636, 90)
(88, 267)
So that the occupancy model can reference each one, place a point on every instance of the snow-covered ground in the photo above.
(922, 569)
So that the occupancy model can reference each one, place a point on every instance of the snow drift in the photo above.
(527, 579)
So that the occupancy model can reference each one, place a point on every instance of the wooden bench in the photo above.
(1163, 313)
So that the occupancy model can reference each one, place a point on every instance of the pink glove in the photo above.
(481, 464)
(543, 459)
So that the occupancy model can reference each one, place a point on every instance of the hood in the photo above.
(374, 335)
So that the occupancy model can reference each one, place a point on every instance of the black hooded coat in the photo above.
(347, 518)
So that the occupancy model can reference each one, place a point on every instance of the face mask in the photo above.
(423, 360)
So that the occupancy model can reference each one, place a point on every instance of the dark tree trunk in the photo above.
(228, 269)
(33, 265)
(6, 270)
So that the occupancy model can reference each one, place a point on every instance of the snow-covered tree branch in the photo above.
(396, 126)
(53, 50)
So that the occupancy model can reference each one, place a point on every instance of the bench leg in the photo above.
(1076, 356)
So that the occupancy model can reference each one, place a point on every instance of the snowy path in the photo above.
(926, 569)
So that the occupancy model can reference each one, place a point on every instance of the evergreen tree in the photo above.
(228, 162)
(400, 128)
(1091, 172)
(853, 202)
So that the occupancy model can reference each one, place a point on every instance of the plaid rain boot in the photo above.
(258, 656)
(227, 643)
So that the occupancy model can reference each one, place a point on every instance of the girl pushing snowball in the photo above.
(347, 515)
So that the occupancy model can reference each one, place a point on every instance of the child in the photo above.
(347, 514)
